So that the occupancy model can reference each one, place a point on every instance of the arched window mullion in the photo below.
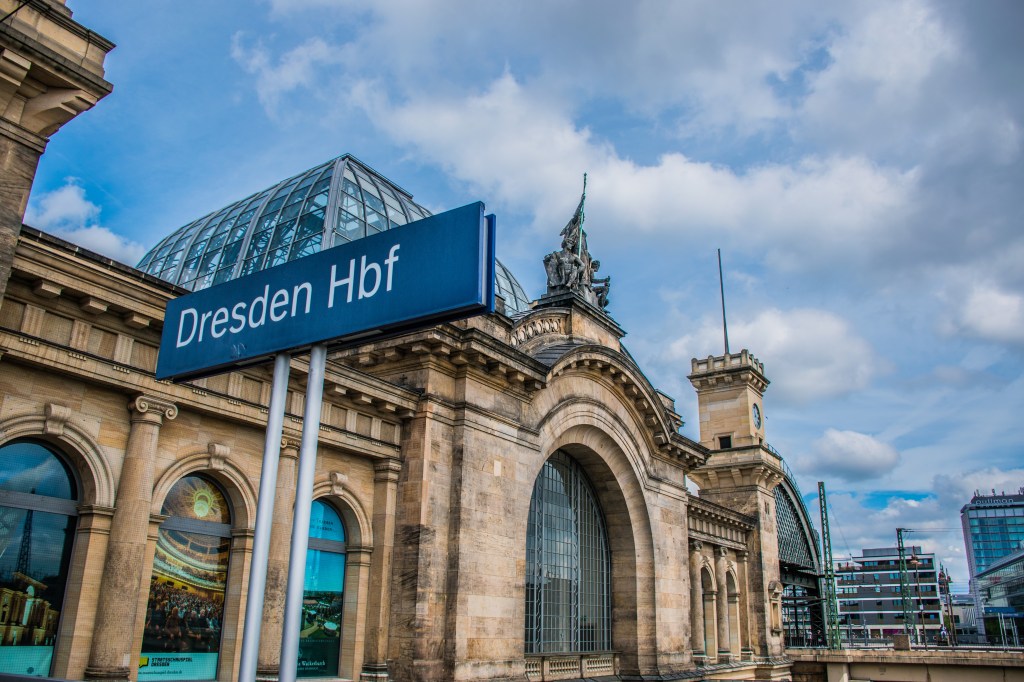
(566, 542)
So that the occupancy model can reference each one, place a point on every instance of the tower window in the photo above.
(724, 442)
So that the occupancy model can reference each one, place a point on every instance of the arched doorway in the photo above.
(38, 499)
(733, 604)
(707, 586)
(568, 563)
(323, 593)
(185, 611)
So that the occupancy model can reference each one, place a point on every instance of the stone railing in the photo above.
(571, 666)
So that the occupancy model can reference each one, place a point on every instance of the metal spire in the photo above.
(721, 287)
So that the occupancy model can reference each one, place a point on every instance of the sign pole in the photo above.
(264, 519)
(300, 524)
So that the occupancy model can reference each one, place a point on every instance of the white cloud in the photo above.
(67, 213)
(808, 354)
(294, 70)
(994, 314)
(520, 149)
(852, 456)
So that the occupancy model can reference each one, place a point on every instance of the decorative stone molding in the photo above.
(538, 325)
(696, 545)
(386, 470)
(46, 289)
(88, 458)
(338, 482)
(57, 417)
(218, 456)
(144, 404)
(728, 369)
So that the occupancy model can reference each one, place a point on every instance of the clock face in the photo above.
(756, 411)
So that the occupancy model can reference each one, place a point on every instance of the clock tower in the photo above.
(742, 473)
(730, 392)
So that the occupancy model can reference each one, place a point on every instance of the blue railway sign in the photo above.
(433, 270)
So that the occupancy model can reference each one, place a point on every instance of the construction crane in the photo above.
(831, 606)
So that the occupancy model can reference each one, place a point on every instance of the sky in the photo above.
(859, 164)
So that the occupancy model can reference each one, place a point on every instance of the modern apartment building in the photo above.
(870, 603)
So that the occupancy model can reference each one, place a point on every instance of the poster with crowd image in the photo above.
(184, 614)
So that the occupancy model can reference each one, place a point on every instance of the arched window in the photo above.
(186, 591)
(37, 523)
(568, 563)
(323, 594)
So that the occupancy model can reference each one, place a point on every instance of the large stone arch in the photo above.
(56, 425)
(602, 442)
(358, 528)
(214, 461)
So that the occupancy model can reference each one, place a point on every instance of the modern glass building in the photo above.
(993, 528)
(334, 203)
(1001, 587)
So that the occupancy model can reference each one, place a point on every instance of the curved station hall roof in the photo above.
(331, 204)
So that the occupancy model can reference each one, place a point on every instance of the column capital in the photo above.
(742, 555)
(151, 408)
(289, 448)
(721, 552)
(696, 545)
(386, 470)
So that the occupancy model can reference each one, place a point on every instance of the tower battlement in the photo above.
(727, 369)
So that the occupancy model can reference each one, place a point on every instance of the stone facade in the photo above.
(430, 448)
(430, 445)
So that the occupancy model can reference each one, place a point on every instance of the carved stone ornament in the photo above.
(338, 482)
(144, 403)
(56, 417)
(572, 269)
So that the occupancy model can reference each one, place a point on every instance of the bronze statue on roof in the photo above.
(572, 269)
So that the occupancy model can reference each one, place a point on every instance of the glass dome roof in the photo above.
(334, 203)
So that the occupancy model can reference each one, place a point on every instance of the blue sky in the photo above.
(859, 165)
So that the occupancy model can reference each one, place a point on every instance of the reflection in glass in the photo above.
(323, 594)
(568, 563)
(35, 551)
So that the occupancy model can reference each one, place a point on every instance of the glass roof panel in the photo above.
(288, 221)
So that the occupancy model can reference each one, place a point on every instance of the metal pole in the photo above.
(300, 526)
(264, 520)
(721, 288)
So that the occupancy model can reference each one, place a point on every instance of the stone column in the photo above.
(747, 638)
(385, 501)
(111, 657)
(696, 600)
(269, 657)
(721, 567)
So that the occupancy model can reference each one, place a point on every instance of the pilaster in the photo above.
(268, 661)
(385, 503)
